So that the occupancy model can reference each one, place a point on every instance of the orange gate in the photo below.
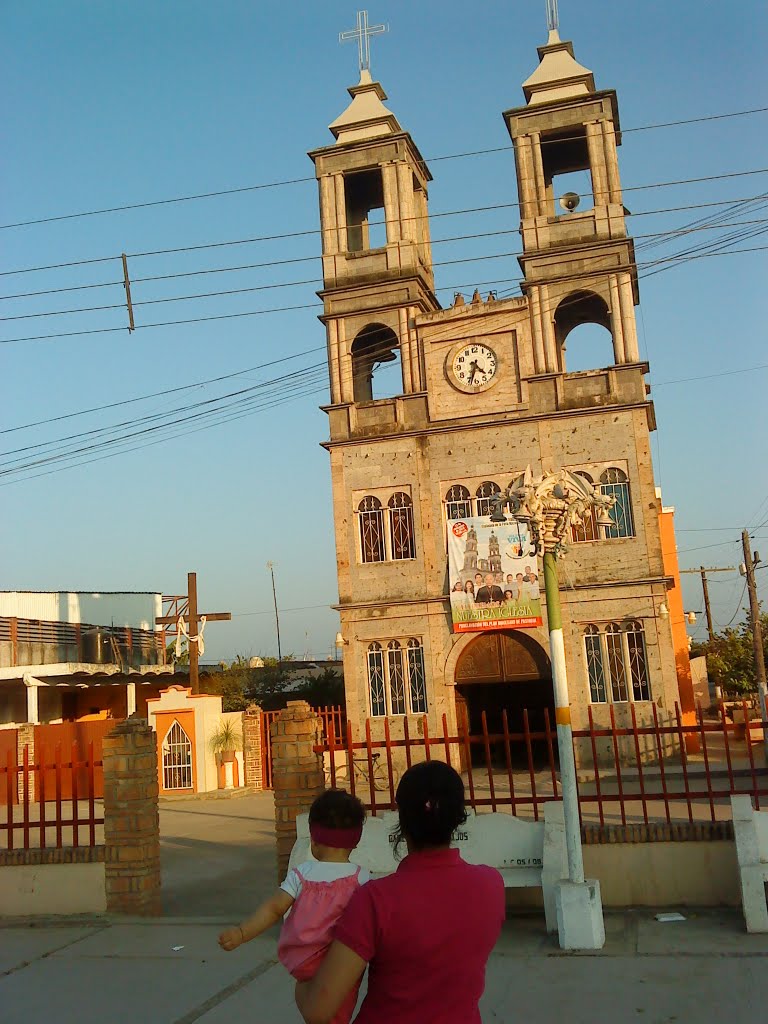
(67, 735)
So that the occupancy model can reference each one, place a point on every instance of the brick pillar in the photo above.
(297, 772)
(25, 737)
(131, 819)
(252, 762)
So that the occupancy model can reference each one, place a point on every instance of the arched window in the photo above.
(396, 678)
(458, 504)
(376, 691)
(587, 529)
(396, 675)
(615, 484)
(375, 345)
(617, 668)
(177, 759)
(485, 493)
(401, 526)
(418, 690)
(638, 667)
(595, 669)
(371, 524)
(615, 659)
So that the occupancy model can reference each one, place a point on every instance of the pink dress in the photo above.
(307, 932)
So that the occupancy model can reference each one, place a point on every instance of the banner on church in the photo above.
(495, 581)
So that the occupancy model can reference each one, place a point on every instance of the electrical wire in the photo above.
(318, 231)
(311, 178)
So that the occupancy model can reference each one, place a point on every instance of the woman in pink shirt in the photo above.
(426, 931)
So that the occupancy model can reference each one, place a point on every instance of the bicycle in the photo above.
(361, 774)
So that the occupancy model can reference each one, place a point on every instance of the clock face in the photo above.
(474, 366)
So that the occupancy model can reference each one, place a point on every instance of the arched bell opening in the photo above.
(583, 325)
(376, 368)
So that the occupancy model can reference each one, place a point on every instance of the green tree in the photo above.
(730, 657)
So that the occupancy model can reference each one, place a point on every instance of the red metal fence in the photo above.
(640, 772)
(43, 816)
(334, 725)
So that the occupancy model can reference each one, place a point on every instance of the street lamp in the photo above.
(550, 506)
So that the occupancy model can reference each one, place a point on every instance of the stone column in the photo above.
(131, 819)
(600, 190)
(25, 737)
(252, 763)
(297, 772)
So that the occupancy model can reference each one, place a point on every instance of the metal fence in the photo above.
(334, 720)
(50, 800)
(635, 773)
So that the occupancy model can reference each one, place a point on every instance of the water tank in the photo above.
(96, 647)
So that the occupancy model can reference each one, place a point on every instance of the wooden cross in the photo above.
(194, 618)
(363, 34)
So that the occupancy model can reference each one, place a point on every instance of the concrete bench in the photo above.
(751, 830)
(528, 854)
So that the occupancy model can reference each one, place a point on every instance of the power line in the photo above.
(311, 178)
(317, 231)
(663, 235)
(678, 258)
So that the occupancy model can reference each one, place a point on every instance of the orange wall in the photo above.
(676, 610)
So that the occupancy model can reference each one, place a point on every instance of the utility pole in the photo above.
(271, 567)
(757, 633)
(705, 587)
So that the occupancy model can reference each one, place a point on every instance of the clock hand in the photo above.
(474, 367)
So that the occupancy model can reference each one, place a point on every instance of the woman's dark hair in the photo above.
(337, 809)
(430, 804)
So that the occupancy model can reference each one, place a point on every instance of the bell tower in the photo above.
(578, 263)
(377, 261)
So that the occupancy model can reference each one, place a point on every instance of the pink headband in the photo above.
(337, 838)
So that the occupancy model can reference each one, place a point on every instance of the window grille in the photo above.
(401, 526)
(416, 677)
(595, 669)
(376, 681)
(371, 521)
(638, 667)
(396, 678)
(485, 493)
(587, 529)
(617, 666)
(458, 503)
(177, 759)
(615, 484)
(396, 683)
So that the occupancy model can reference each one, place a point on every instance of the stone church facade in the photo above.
(404, 466)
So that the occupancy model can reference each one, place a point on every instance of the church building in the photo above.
(485, 391)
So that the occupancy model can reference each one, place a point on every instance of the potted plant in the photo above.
(224, 742)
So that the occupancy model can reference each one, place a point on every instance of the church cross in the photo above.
(363, 34)
(553, 18)
(194, 629)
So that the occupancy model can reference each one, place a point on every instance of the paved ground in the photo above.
(703, 971)
(217, 856)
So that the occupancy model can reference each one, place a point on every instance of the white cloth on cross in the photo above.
(183, 630)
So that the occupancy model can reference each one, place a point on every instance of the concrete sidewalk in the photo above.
(705, 969)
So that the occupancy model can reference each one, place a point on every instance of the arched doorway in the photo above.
(505, 670)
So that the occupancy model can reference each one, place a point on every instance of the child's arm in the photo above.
(269, 913)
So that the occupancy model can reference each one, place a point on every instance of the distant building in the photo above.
(73, 656)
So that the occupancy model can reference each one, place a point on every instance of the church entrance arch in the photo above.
(504, 670)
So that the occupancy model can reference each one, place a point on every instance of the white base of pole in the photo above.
(580, 922)
(229, 775)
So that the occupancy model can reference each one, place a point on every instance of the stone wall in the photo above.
(131, 819)
(297, 772)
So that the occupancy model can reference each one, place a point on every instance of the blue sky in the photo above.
(115, 104)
